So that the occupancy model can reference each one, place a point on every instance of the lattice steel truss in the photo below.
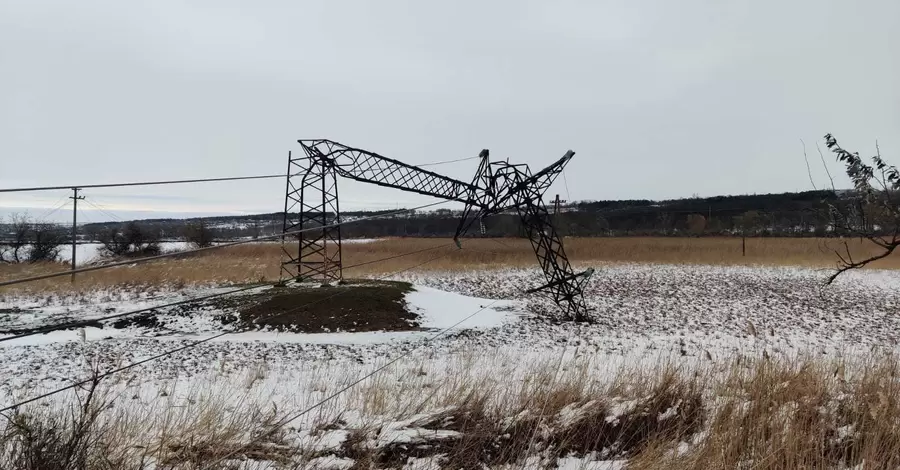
(496, 187)
(312, 203)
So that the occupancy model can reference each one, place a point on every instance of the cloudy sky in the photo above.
(659, 99)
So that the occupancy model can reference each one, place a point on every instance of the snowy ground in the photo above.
(646, 314)
(86, 253)
(642, 310)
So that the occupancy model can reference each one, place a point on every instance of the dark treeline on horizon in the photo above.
(785, 214)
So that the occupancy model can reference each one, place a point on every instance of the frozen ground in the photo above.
(641, 310)
(646, 314)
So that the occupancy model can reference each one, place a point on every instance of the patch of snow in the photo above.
(329, 462)
(680, 450)
(361, 240)
(323, 441)
(572, 413)
(619, 408)
(393, 433)
(669, 413)
(441, 309)
(86, 253)
(424, 463)
(846, 431)
(87, 334)
(586, 463)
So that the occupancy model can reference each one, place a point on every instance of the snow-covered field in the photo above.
(86, 253)
(647, 315)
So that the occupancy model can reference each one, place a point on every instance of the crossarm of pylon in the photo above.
(544, 178)
(537, 183)
(369, 167)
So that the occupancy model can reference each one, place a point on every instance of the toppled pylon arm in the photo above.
(369, 167)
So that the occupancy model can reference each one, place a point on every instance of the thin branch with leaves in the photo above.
(869, 211)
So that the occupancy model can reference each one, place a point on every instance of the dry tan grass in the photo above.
(260, 261)
(758, 413)
(788, 415)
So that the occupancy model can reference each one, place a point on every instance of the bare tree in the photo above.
(198, 234)
(870, 211)
(14, 249)
(30, 241)
(45, 241)
(696, 223)
(130, 239)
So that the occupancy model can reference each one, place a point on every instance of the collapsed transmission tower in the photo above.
(311, 202)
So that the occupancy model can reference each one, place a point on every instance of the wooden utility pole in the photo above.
(75, 198)
(556, 202)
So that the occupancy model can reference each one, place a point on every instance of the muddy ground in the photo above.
(370, 306)
(351, 306)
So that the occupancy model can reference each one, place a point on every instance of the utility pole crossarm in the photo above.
(369, 167)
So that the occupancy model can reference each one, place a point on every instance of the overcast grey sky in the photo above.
(659, 99)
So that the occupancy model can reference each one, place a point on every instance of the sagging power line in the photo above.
(447, 161)
(97, 377)
(95, 320)
(292, 416)
(137, 183)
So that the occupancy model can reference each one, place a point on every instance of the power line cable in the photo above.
(497, 240)
(141, 183)
(207, 248)
(395, 256)
(566, 183)
(99, 377)
(92, 321)
(61, 326)
(52, 211)
(289, 418)
(85, 216)
(95, 320)
(104, 212)
(446, 161)
(105, 209)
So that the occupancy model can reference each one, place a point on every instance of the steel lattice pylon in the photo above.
(312, 192)
(496, 187)
(521, 190)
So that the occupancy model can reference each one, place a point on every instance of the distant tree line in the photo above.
(804, 214)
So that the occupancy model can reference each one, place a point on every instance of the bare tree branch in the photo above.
(825, 166)
(866, 211)
(808, 169)
(848, 266)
